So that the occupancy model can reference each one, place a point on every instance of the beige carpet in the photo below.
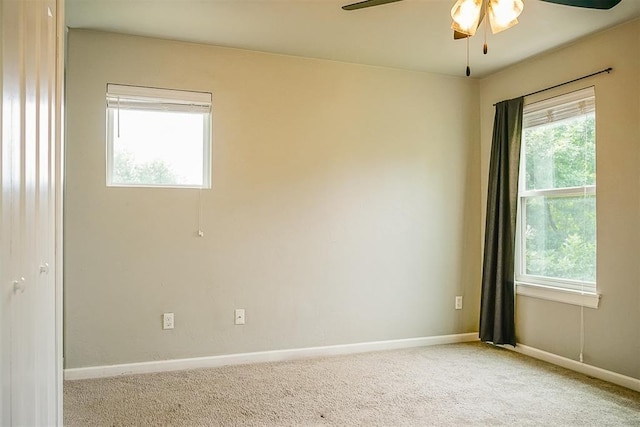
(458, 384)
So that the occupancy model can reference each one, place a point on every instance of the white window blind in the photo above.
(559, 108)
(144, 98)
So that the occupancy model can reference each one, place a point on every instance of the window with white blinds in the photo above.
(158, 137)
(556, 243)
(559, 108)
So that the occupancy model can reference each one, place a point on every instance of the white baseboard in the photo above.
(260, 357)
(583, 368)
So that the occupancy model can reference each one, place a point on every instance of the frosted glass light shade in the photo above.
(503, 14)
(466, 16)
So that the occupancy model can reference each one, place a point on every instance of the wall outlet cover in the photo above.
(239, 316)
(167, 321)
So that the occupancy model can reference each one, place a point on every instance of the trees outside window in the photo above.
(158, 137)
(557, 194)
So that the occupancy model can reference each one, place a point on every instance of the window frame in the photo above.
(569, 291)
(181, 101)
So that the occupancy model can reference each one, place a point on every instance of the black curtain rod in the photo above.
(606, 70)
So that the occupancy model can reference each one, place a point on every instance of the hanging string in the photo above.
(485, 48)
(118, 117)
(584, 224)
(200, 232)
(584, 198)
(468, 68)
(581, 333)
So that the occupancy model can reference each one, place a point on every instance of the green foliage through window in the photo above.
(558, 200)
(561, 237)
(127, 170)
(562, 154)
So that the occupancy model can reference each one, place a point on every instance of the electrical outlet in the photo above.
(239, 316)
(167, 321)
(459, 302)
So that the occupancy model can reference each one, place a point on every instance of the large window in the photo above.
(158, 137)
(557, 194)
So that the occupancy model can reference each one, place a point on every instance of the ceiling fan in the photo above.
(500, 14)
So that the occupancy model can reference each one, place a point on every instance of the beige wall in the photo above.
(343, 208)
(612, 332)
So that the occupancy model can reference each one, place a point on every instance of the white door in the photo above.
(30, 320)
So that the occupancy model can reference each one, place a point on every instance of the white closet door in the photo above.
(29, 360)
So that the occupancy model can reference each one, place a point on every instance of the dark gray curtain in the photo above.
(497, 318)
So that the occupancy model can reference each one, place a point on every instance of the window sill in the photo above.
(558, 295)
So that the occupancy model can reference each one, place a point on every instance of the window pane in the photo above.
(561, 154)
(560, 235)
(157, 147)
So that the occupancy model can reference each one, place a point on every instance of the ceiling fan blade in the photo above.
(367, 3)
(590, 4)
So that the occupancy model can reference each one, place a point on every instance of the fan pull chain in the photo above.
(468, 68)
(485, 48)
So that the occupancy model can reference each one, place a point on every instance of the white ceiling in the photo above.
(411, 34)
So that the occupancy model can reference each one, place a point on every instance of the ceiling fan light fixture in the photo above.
(466, 16)
(503, 14)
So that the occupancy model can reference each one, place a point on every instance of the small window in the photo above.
(557, 194)
(158, 137)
